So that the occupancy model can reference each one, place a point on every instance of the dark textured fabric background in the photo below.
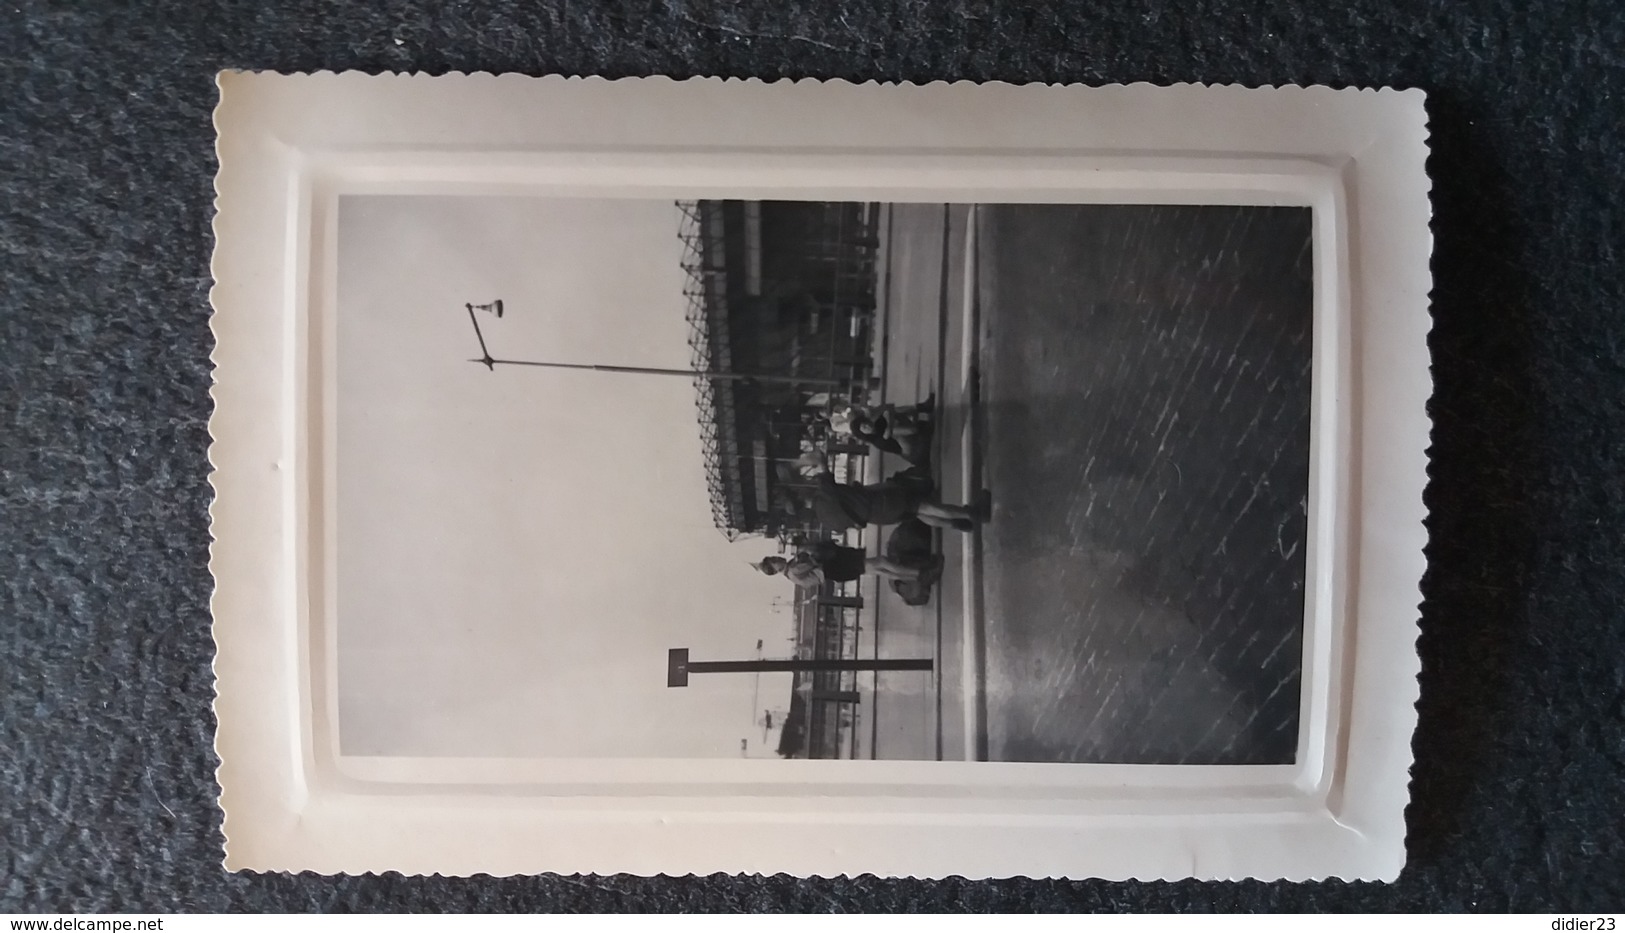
(107, 797)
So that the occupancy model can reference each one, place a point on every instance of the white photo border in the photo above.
(291, 145)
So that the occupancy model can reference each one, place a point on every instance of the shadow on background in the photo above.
(1481, 531)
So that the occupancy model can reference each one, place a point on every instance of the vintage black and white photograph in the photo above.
(700, 489)
(811, 479)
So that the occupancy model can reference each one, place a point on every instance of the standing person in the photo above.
(903, 432)
(898, 430)
(866, 421)
(826, 561)
(841, 506)
(892, 418)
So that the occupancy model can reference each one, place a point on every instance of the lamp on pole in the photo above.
(491, 363)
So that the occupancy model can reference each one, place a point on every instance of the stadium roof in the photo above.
(705, 292)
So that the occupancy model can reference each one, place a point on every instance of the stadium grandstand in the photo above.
(785, 291)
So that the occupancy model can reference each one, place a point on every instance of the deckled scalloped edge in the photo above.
(211, 456)
(560, 77)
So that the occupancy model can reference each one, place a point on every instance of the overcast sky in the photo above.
(518, 550)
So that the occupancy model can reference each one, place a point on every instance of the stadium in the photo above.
(784, 291)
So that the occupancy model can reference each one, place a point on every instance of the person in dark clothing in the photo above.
(879, 433)
(841, 506)
(882, 427)
(826, 561)
(868, 422)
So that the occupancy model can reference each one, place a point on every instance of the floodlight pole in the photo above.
(714, 374)
(491, 363)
